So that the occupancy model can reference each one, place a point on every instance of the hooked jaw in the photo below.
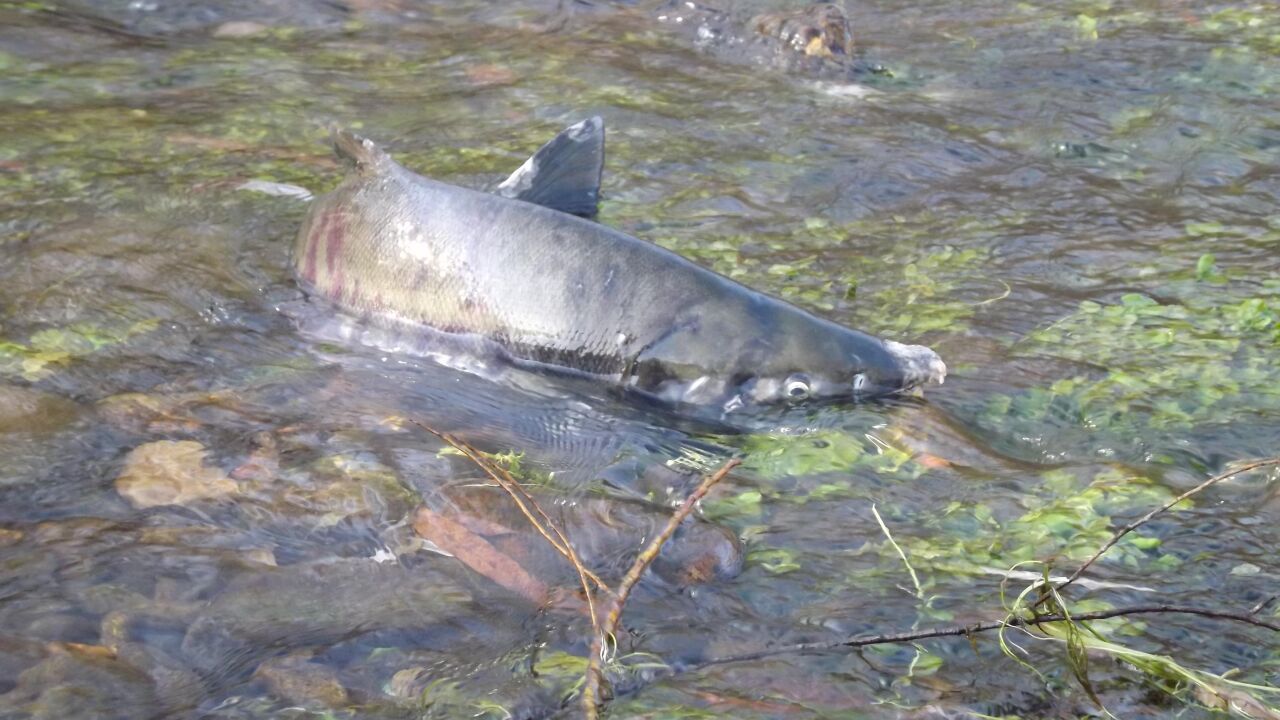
(919, 364)
(913, 365)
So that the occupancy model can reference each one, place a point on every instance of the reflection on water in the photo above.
(206, 512)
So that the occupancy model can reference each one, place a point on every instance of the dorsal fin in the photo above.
(565, 173)
(359, 151)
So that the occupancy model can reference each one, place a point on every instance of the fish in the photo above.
(524, 276)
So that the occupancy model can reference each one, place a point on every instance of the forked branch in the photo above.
(605, 634)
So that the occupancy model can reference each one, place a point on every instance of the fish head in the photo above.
(875, 369)
(750, 360)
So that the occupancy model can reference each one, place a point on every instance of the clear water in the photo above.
(1074, 202)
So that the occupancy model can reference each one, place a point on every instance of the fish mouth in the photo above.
(919, 364)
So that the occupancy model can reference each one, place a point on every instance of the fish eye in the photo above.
(859, 382)
(796, 387)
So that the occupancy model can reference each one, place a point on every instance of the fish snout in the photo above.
(918, 363)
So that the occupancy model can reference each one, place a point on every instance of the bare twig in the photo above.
(1253, 465)
(885, 529)
(1262, 605)
(1007, 292)
(591, 686)
(959, 630)
(542, 522)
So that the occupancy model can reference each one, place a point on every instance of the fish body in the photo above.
(535, 285)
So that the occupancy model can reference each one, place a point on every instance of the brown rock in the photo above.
(10, 536)
(138, 412)
(295, 679)
(489, 75)
(26, 410)
(171, 472)
(82, 681)
(817, 30)
(260, 556)
(263, 463)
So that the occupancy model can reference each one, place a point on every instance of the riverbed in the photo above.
(205, 512)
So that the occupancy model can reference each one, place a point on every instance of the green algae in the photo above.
(919, 287)
(1254, 25)
(1064, 519)
(47, 350)
(774, 456)
(1169, 367)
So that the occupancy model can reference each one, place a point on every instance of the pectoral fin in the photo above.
(565, 173)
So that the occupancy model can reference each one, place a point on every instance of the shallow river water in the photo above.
(205, 513)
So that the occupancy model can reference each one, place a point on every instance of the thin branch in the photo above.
(1007, 292)
(959, 630)
(1142, 520)
(523, 501)
(1262, 605)
(591, 686)
(885, 529)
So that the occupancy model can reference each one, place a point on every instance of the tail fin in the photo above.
(358, 151)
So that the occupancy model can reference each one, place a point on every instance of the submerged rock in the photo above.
(267, 608)
(815, 38)
(819, 30)
(139, 412)
(176, 685)
(295, 679)
(25, 410)
(148, 19)
(451, 693)
(81, 681)
(17, 654)
(352, 483)
(169, 472)
(347, 491)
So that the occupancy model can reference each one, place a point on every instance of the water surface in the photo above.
(1074, 202)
